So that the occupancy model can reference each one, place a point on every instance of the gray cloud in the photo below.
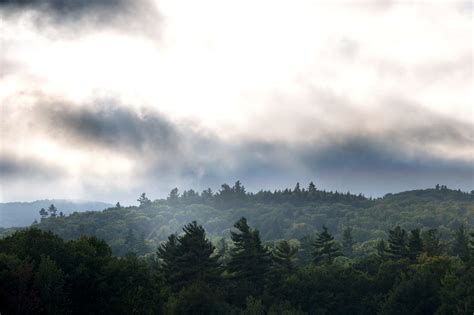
(169, 154)
(137, 16)
(107, 124)
(16, 167)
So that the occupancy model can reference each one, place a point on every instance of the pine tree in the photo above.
(347, 241)
(43, 213)
(167, 256)
(249, 261)
(461, 243)
(173, 196)
(297, 189)
(325, 248)
(415, 244)
(311, 188)
(397, 243)
(130, 241)
(381, 248)
(52, 210)
(144, 201)
(283, 256)
(189, 258)
(431, 244)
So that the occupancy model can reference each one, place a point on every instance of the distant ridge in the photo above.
(17, 214)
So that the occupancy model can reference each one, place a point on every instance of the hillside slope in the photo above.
(17, 214)
(284, 214)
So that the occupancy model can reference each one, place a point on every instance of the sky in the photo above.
(103, 100)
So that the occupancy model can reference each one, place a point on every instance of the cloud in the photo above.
(161, 153)
(16, 167)
(138, 16)
(105, 123)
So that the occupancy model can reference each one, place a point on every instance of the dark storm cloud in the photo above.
(127, 15)
(169, 154)
(15, 167)
(107, 124)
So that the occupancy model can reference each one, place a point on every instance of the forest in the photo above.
(292, 251)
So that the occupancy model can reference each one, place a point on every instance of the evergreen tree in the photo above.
(249, 261)
(130, 241)
(43, 213)
(173, 196)
(167, 256)
(431, 244)
(461, 243)
(381, 248)
(397, 243)
(311, 188)
(347, 241)
(297, 189)
(325, 248)
(283, 256)
(415, 244)
(144, 201)
(52, 210)
(189, 258)
(196, 260)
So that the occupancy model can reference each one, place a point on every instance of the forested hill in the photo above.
(15, 214)
(287, 214)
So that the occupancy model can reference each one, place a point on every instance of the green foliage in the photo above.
(347, 241)
(398, 243)
(282, 214)
(101, 262)
(325, 248)
(189, 258)
(40, 273)
(283, 257)
(415, 244)
(460, 245)
(250, 261)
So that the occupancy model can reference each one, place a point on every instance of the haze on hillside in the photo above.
(103, 100)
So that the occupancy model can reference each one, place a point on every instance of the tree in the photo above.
(461, 243)
(347, 241)
(118, 205)
(325, 248)
(431, 244)
(173, 196)
(283, 256)
(167, 256)
(144, 201)
(43, 213)
(381, 248)
(52, 210)
(472, 245)
(415, 244)
(189, 258)
(49, 281)
(311, 188)
(239, 189)
(397, 243)
(249, 261)
(297, 189)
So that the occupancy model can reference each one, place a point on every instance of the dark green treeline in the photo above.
(409, 273)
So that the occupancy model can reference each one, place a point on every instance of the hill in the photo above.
(288, 214)
(18, 214)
